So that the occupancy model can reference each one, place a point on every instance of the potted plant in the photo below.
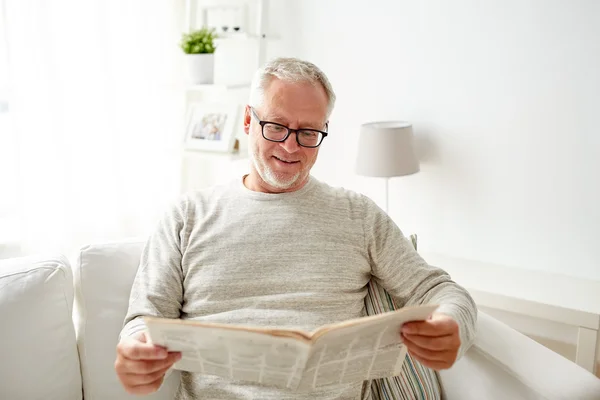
(199, 49)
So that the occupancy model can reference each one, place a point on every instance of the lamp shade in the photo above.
(386, 149)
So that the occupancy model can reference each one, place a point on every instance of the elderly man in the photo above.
(278, 248)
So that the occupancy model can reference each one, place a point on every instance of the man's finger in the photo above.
(147, 388)
(138, 380)
(430, 327)
(435, 365)
(129, 366)
(134, 350)
(436, 343)
(430, 355)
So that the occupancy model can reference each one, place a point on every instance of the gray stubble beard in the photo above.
(267, 174)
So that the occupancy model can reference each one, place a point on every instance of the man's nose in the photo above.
(291, 144)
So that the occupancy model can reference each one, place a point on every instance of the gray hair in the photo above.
(289, 70)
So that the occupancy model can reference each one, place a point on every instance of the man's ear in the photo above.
(247, 119)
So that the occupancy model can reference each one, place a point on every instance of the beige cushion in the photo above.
(104, 274)
(38, 352)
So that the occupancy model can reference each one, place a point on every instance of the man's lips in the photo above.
(286, 161)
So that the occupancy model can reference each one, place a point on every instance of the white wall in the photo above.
(505, 99)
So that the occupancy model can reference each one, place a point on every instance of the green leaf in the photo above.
(199, 41)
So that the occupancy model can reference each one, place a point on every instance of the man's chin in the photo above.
(281, 182)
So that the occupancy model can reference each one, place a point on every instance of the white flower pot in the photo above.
(201, 68)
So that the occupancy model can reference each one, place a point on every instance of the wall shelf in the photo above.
(238, 54)
(243, 36)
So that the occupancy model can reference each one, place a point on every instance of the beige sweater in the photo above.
(292, 260)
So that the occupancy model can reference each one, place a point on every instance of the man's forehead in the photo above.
(280, 108)
(285, 118)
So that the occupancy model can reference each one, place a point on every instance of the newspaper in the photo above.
(350, 351)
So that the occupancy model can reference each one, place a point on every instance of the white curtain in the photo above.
(97, 102)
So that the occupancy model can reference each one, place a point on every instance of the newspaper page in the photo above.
(234, 354)
(361, 351)
(352, 351)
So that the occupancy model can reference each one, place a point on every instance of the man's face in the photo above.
(284, 166)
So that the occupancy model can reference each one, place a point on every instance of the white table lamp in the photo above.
(386, 149)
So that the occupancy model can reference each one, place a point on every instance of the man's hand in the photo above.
(141, 366)
(434, 342)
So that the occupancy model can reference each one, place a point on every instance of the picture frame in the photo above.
(212, 127)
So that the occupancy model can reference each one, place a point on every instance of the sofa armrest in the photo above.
(533, 370)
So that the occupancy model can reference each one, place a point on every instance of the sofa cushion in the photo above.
(38, 351)
(104, 274)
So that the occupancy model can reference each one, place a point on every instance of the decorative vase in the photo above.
(201, 68)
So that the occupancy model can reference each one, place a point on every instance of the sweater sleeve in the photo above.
(409, 279)
(157, 289)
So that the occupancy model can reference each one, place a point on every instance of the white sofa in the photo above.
(59, 328)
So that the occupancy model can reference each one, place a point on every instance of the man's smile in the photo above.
(286, 161)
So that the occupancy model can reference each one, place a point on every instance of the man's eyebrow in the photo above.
(275, 118)
(283, 121)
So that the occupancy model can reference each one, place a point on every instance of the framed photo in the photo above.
(212, 127)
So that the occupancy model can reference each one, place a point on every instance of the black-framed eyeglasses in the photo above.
(275, 132)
